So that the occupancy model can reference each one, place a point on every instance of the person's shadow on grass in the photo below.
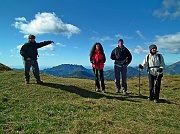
(85, 93)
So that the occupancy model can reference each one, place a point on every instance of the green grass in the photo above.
(69, 105)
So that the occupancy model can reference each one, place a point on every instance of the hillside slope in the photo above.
(173, 69)
(4, 67)
(69, 105)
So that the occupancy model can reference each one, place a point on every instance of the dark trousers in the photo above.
(97, 73)
(123, 71)
(154, 83)
(35, 68)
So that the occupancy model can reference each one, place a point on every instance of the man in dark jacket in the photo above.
(29, 53)
(122, 57)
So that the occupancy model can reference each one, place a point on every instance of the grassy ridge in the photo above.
(69, 105)
(4, 67)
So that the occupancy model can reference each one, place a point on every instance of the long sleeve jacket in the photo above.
(153, 62)
(98, 59)
(29, 49)
(121, 55)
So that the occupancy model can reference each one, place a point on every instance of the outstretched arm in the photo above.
(42, 44)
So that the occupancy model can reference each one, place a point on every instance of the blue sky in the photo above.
(75, 25)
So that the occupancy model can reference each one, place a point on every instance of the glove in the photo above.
(140, 66)
(159, 70)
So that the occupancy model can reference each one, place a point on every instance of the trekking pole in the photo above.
(139, 80)
(99, 72)
(95, 78)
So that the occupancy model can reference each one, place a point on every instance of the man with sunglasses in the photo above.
(29, 54)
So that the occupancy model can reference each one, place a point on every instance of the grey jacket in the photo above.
(153, 62)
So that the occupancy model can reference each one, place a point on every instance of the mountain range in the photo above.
(78, 71)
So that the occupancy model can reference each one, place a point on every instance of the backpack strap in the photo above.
(159, 56)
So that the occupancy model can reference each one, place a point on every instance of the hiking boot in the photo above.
(26, 82)
(156, 101)
(39, 82)
(124, 92)
(150, 99)
(117, 91)
(103, 90)
(98, 90)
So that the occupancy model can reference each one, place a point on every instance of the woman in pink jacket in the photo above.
(98, 58)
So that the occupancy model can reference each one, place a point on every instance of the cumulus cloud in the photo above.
(140, 34)
(169, 9)
(45, 23)
(170, 42)
(140, 50)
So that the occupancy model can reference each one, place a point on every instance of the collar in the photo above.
(97, 51)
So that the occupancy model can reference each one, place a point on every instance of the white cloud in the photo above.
(169, 9)
(61, 45)
(170, 42)
(21, 19)
(45, 23)
(140, 34)
(113, 45)
(47, 54)
(123, 36)
(140, 50)
(26, 36)
(93, 31)
(19, 47)
(13, 50)
(105, 38)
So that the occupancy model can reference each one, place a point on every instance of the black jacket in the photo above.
(121, 55)
(29, 49)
